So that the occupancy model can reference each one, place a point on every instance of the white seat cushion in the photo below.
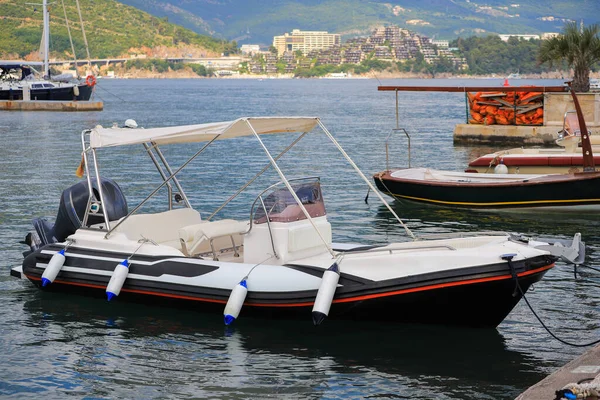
(161, 227)
(194, 235)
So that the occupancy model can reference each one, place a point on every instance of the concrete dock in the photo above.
(585, 369)
(41, 105)
(555, 106)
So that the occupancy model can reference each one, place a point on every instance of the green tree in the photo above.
(280, 64)
(579, 48)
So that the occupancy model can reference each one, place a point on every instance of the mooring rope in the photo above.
(518, 286)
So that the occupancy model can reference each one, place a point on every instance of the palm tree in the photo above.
(579, 48)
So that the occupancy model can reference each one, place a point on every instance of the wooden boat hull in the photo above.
(481, 295)
(561, 191)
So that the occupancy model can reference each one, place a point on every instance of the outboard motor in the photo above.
(71, 210)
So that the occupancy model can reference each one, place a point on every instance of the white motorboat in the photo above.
(281, 262)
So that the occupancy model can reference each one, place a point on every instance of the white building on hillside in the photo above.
(305, 41)
(250, 49)
(526, 37)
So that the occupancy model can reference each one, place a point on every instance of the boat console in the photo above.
(280, 229)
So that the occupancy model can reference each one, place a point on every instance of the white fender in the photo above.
(235, 302)
(76, 90)
(501, 168)
(56, 263)
(117, 279)
(325, 294)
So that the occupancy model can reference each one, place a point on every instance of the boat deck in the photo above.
(585, 369)
(427, 174)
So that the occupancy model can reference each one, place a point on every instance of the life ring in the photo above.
(90, 80)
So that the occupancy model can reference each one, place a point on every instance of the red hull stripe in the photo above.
(544, 161)
(306, 304)
(443, 285)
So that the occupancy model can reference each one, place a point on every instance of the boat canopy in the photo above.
(108, 137)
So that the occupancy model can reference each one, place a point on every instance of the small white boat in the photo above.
(281, 262)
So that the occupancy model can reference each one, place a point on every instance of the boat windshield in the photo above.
(280, 205)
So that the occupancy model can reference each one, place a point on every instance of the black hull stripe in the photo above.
(57, 93)
(574, 192)
(296, 298)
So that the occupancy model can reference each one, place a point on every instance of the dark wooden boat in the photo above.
(576, 190)
(475, 190)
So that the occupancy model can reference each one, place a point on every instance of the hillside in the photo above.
(257, 21)
(112, 29)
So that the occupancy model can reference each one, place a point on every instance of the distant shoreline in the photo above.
(385, 75)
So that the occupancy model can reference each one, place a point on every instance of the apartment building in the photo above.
(305, 41)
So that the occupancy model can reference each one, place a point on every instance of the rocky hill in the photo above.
(257, 21)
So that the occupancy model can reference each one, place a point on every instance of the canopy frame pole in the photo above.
(100, 191)
(466, 107)
(289, 187)
(335, 142)
(255, 177)
(88, 177)
(170, 171)
(397, 111)
(161, 172)
(160, 186)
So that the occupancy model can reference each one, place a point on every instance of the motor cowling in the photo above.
(71, 210)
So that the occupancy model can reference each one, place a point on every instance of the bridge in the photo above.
(231, 62)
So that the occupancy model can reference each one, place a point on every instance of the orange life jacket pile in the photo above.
(506, 108)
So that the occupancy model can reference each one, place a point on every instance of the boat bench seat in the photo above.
(163, 228)
(194, 238)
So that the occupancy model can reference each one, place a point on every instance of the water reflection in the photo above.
(119, 350)
(447, 219)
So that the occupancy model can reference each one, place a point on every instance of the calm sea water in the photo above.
(55, 345)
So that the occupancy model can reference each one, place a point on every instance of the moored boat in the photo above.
(20, 81)
(18, 76)
(281, 262)
(577, 191)
(565, 192)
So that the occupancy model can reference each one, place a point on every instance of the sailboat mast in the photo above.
(46, 39)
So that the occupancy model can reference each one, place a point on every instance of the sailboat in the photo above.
(18, 80)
